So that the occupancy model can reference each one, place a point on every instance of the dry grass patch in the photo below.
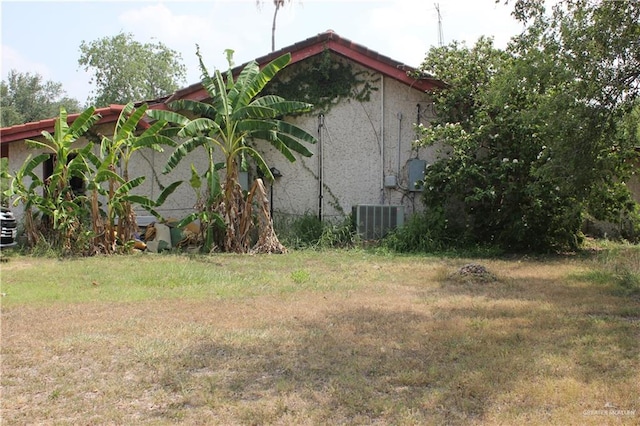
(317, 338)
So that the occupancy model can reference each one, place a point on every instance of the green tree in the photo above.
(233, 121)
(490, 187)
(533, 133)
(26, 97)
(125, 70)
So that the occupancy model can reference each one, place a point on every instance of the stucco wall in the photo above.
(359, 142)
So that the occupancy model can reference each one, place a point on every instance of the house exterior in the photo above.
(364, 154)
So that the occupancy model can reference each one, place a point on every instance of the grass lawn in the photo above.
(332, 337)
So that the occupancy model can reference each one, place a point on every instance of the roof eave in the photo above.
(334, 43)
(34, 129)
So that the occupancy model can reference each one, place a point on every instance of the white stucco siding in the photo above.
(354, 160)
(404, 108)
(359, 141)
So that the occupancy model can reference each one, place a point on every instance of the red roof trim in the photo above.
(299, 52)
(34, 129)
(342, 46)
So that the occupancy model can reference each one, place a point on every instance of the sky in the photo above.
(44, 36)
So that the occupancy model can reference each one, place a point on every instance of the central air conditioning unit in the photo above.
(373, 222)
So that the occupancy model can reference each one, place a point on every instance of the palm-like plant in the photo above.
(60, 209)
(119, 149)
(55, 211)
(232, 119)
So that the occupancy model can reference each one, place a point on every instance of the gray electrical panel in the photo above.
(415, 170)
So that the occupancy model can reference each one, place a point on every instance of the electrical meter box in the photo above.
(415, 170)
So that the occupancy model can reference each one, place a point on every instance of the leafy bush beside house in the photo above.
(534, 134)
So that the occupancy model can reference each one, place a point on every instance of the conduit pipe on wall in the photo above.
(399, 140)
(382, 139)
(320, 164)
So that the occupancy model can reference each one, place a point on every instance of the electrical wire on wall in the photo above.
(320, 164)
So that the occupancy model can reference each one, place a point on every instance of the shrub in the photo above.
(307, 231)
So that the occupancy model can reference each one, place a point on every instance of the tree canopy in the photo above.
(535, 133)
(27, 97)
(125, 70)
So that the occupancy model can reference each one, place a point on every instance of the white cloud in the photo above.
(12, 59)
(207, 24)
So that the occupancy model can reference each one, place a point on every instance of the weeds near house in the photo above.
(307, 231)
(319, 337)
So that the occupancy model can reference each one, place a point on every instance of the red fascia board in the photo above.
(20, 132)
(198, 92)
(397, 71)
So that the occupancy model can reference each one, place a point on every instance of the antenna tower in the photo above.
(440, 35)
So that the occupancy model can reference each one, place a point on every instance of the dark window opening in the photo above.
(77, 183)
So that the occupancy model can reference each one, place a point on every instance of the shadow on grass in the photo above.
(452, 363)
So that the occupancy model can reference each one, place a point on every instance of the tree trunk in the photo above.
(278, 4)
(268, 241)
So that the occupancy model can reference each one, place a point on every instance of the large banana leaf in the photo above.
(60, 127)
(221, 103)
(198, 126)
(168, 116)
(198, 108)
(294, 145)
(188, 219)
(262, 165)
(278, 144)
(80, 165)
(126, 188)
(155, 128)
(263, 77)
(154, 142)
(166, 192)
(243, 84)
(291, 107)
(184, 149)
(254, 111)
(295, 131)
(282, 106)
(32, 163)
(128, 121)
(103, 175)
(83, 122)
(257, 128)
(33, 144)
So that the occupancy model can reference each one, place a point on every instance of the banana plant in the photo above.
(118, 150)
(55, 211)
(52, 208)
(234, 120)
